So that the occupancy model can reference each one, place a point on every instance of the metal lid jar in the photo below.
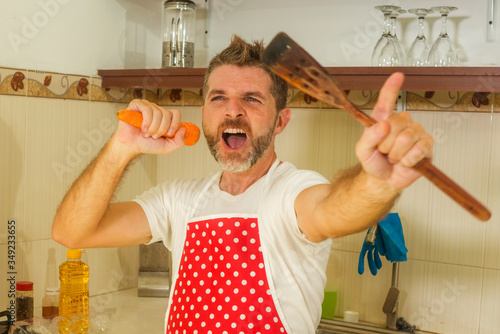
(179, 23)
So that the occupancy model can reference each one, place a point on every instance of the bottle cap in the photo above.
(24, 286)
(73, 254)
(52, 291)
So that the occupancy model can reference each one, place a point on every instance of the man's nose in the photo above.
(235, 108)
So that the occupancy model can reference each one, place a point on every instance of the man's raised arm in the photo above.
(85, 217)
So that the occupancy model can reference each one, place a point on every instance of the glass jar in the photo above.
(179, 23)
(50, 303)
(24, 300)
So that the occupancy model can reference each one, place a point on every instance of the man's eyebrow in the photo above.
(246, 94)
(256, 94)
(216, 92)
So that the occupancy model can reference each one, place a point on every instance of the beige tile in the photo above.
(492, 247)
(490, 303)
(12, 164)
(363, 99)
(171, 98)
(102, 123)
(437, 229)
(449, 101)
(298, 143)
(40, 84)
(335, 273)
(7, 284)
(365, 293)
(14, 83)
(193, 97)
(112, 269)
(300, 99)
(54, 159)
(338, 134)
(439, 297)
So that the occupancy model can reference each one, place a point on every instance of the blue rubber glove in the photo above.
(372, 254)
(394, 240)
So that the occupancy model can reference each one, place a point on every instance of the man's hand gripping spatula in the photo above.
(292, 63)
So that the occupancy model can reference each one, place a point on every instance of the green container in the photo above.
(329, 305)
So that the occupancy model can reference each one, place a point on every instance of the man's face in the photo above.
(239, 116)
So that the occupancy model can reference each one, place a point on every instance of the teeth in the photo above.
(234, 131)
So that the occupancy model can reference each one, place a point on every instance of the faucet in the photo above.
(390, 307)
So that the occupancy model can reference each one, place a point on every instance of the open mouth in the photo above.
(234, 138)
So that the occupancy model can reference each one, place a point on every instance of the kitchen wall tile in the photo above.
(112, 269)
(14, 82)
(338, 135)
(363, 99)
(440, 297)
(299, 142)
(7, 283)
(192, 97)
(490, 303)
(492, 247)
(39, 83)
(303, 100)
(102, 124)
(12, 163)
(437, 228)
(335, 278)
(450, 101)
(364, 293)
(53, 160)
(171, 98)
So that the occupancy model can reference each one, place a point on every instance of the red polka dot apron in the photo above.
(221, 285)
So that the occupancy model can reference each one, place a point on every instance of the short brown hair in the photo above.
(241, 53)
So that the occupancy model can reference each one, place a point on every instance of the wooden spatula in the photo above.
(292, 63)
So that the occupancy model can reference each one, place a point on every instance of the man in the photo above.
(250, 244)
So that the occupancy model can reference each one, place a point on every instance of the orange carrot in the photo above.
(134, 118)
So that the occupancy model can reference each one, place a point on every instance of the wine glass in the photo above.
(443, 51)
(385, 51)
(419, 50)
(399, 47)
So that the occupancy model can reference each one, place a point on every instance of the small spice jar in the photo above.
(24, 300)
(50, 303)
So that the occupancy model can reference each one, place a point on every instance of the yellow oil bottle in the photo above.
(74, 294)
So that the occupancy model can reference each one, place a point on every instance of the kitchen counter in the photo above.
(132, 314)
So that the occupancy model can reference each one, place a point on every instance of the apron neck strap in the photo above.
(216, 179)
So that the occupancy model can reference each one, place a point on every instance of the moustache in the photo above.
(235, 123)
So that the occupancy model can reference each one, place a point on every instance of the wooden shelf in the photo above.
(469, 79)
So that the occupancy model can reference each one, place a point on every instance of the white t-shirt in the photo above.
(294, 266)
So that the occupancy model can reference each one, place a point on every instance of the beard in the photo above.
(238, 162)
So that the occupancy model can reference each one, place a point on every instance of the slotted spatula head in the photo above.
(292, 63)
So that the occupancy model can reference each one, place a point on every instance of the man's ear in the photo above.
(283, 119)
